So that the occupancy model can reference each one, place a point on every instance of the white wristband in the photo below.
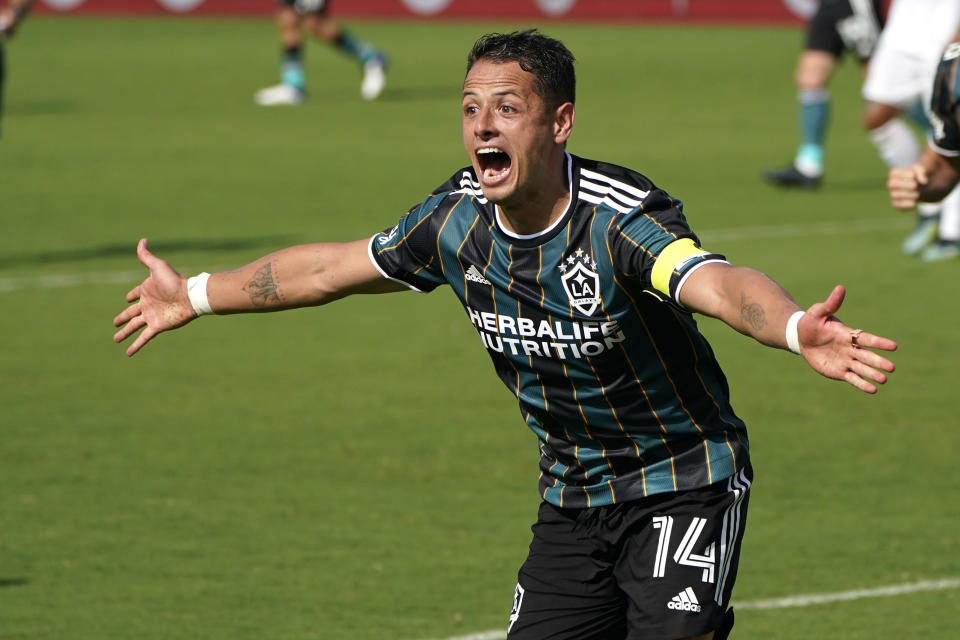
(197, 290)
(793, 340)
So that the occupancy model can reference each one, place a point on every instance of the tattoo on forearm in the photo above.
(262, 288)
(753, 314)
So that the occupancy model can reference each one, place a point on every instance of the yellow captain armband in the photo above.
(671, 261)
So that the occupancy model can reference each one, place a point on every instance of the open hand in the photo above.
(837, 351)
(159, 303)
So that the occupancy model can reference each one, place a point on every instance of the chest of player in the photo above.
(560, 299)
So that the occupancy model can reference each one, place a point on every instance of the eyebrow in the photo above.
(506, 92)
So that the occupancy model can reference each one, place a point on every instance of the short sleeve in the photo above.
(407, 253)
(654, 247)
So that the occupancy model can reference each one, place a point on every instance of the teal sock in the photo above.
(362, 51)
(291, 71)
(814, 116)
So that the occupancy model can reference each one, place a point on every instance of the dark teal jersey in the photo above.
(945, 104)
(583, 326)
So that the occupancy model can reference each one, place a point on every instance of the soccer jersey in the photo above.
(583, 326)
(945, 104)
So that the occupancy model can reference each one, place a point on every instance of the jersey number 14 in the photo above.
(684, 554)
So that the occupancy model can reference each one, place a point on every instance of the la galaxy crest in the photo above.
(581, 281)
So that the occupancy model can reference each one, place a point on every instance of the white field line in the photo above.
(806, 600)
(841, 227)
(803, 600)
(64, 280)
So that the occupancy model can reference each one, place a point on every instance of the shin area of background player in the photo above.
(581, 279)
(12, 14)
(836, 27)
(937, 172)
(296, 17)
(900, 76)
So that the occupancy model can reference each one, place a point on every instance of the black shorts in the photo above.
(659, 567)
(846, 25)
(307, 6)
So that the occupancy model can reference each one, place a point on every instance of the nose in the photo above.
(483, 125)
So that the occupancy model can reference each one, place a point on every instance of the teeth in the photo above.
(489, 150)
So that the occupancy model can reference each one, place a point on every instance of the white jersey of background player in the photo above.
(901, 75)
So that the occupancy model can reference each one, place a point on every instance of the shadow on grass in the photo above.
(128, 250)
(13, 582)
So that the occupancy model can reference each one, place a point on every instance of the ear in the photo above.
(563, 119)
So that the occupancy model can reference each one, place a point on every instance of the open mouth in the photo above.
(494, 164)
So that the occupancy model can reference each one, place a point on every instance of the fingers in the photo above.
(134, 294)
(867, 367)
(145, 336)
(871, 341)
(835, 299)
(868, 372)
(862, 375)
(146, 258)
(125, 315)
(903, 185)
(130, 328)
(858, 382)
(823, 310)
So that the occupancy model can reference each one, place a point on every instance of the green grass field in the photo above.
(357, 471)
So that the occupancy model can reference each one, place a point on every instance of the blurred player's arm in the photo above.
(302, 276)
(930, 179)
(755, 305)
(937, 171)
(12, 14)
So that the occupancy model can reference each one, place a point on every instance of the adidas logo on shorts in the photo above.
(686, 600)
(473, 275)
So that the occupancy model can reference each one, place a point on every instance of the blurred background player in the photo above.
(11, 14)
(837, 26)
(937, 172)
(293, 17)
(901, 75)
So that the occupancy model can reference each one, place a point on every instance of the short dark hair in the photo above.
(549, 60)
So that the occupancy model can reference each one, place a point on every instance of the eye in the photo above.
(469, 109)
(506, 108)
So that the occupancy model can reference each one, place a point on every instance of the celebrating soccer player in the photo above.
(581, 279)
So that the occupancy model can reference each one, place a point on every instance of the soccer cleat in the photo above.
(941, 250)
(374, 78)
(792, 177)
(924, 234)
(279, 94)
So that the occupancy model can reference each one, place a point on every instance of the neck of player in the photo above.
(541, 204)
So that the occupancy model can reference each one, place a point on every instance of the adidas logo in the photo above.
(686, 600)
(473, 275)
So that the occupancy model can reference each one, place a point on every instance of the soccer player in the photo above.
(900, 75)
(11, 16)
(837, 26)
(937, 172)
(294, 16)
(581, 279)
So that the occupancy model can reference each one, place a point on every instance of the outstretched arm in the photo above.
(756, 306)
(302, 276)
